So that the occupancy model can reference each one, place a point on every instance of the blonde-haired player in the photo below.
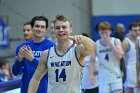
(63, 62)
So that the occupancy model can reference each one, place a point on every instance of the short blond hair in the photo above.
(62, 18)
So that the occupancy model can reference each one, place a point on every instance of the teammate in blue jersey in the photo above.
(63, 61)
(27, 31)
(28, 54)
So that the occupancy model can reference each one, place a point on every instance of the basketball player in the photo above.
(28, 54)
(138, 62)
(130, 47)
(138, 88)
(63, 62)
(109, 53)
(52, 32)
(89, 78)
(27, 31)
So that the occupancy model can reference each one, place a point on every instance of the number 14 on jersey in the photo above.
(61, 75)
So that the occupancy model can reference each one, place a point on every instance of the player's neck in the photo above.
(103, 42)
(38, 39)
(64, 46)
(134, 39)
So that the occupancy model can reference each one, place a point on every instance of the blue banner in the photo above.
(4, 38)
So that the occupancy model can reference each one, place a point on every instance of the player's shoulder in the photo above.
(98, 41)
(45, 53)
(116, 40)
(48, 42)
(125, 41)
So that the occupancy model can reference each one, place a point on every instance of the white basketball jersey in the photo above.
(109, 65)
(130, 62)
(130, 56)
(64, 71)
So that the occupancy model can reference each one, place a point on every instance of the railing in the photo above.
(9, 85)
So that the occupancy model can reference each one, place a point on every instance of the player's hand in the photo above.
(77, 39)
(105, 37)
(20, 55)
(27, 52)
(138, 81)
(92, 79)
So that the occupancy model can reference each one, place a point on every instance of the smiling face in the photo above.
(62, 29)
(135, 31)
(39, 28)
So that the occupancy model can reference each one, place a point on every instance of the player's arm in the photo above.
(137, 61)
(125, 47)
(117, 48)
(138, 71)
(85, 46)
(89, 46)
(123, 69)
(92, 68)
(139, 76)
(39, 73)
(17, 66)
(27, 52)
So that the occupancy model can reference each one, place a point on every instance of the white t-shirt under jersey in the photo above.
(64, 71)
(109, 65)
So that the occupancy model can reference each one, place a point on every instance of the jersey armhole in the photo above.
(128, 44)
(48, 55)
(77, 58)
(115, 40)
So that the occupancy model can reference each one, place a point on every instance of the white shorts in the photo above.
(131, 78)
(111, 87)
